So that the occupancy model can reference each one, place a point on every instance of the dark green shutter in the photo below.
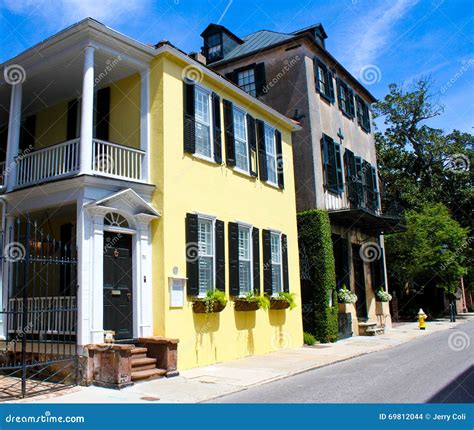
(216, 120)
(71, 128)
(338, 166)
(279, 154)
(28, 132)
(267, 262)
(359, 181)
(339, 92)
(189, 118)
(262, 154)
(252, 139)
(234, 281)
(219, 233)
(102, 114)
(349, 164)
(256, 259)
(229, 133)
(375, 187)
(284, 256)
(350, 97)
(316, 74)
(259, 79)
(191, 249)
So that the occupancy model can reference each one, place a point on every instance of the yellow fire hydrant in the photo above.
(421, 319)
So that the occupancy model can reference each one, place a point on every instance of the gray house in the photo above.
(334, 153)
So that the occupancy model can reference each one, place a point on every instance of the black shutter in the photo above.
(262, 154)
(329, 77)
(219, 234)
(279, 153)
(350, 97)
(252, 139)
(338, 166)
(189, 118)
(359, 181)
(216, 119)
(284, 256)
(231, 76)
(102, 114)
(229, 133)
(256, 260)
(27, 132)
(234, 281)
(339, 92)
(316, 74)
(192, 261)
(259, 79)
(375, 187)
(71, 128)
(349, 165)
(267, 262)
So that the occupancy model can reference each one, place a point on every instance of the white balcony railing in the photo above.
(48, 163)
(115, 160)
(49, 315)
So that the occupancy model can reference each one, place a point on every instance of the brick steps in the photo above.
(143, 367)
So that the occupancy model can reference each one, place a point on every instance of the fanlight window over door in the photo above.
(115, 220)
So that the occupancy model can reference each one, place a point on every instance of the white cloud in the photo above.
(374, 32)
(66, 12)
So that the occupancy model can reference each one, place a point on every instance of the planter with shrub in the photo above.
(213, 302)
(251, 302)
(282, 301)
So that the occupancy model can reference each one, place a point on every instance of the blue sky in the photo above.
(398, 40)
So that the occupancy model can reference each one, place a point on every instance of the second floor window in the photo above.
(240, 136)
(271, 155)
(203, 123)
(363, 116)
(246, 81)
(324, 83)
(345, 99)
(275, 239)
(245, 260)
(206, 255)
(332, 165)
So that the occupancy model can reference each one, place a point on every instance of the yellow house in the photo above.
(150, 182)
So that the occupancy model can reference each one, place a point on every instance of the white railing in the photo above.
(48, 315)
(48, 163)
(115, 160)
(2, 173)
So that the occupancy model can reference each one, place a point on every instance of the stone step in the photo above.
(139, 353)
(143, 361)
(146, 375)
(375, 331)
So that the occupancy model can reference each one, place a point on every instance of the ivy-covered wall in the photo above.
(314, 233)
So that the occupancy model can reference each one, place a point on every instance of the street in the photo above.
(438, 368)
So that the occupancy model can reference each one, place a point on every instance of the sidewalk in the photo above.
(205, 383)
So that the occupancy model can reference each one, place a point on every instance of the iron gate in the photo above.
(39, 312)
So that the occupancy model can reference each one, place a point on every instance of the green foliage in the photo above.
(314, 232)
(263, 301)
(289, 297)
(346, 296)
(431, 251)
(212, 297)
(383, 296)
(309, 339)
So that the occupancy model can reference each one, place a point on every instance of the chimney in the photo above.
(198, 57)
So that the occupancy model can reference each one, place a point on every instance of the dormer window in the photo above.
(214, 47)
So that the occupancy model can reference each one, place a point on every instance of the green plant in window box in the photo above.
(283, 300)
(251, 302)
(346, 296)
(383, 296)
(214, 301)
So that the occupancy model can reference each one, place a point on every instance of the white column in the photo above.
(97, 270)
(145, 121)
(87, 112)
(13, 145)
(144, 281)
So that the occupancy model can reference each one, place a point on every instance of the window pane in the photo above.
(246, 81)
(240, 135)
(245, 283)
(271, 154)
(276, 262)
(203, 135)
(206, 255)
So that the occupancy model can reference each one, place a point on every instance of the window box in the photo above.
(346, 308)
(200, 306)
(279, 303)
(243, 304)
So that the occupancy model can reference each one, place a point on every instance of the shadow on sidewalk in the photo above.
(460, 390)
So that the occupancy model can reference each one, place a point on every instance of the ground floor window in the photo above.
(275, 240)
(206, 255)
(245, 270)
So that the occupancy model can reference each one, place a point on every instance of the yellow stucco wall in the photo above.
(187, 184)
(51, 123)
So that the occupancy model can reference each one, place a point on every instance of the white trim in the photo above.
(205, 216)
(250, 229)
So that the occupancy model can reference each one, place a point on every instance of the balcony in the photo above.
(62, 160)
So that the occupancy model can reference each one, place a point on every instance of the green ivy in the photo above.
(314, 233)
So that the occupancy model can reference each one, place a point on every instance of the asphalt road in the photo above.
(438, 368)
